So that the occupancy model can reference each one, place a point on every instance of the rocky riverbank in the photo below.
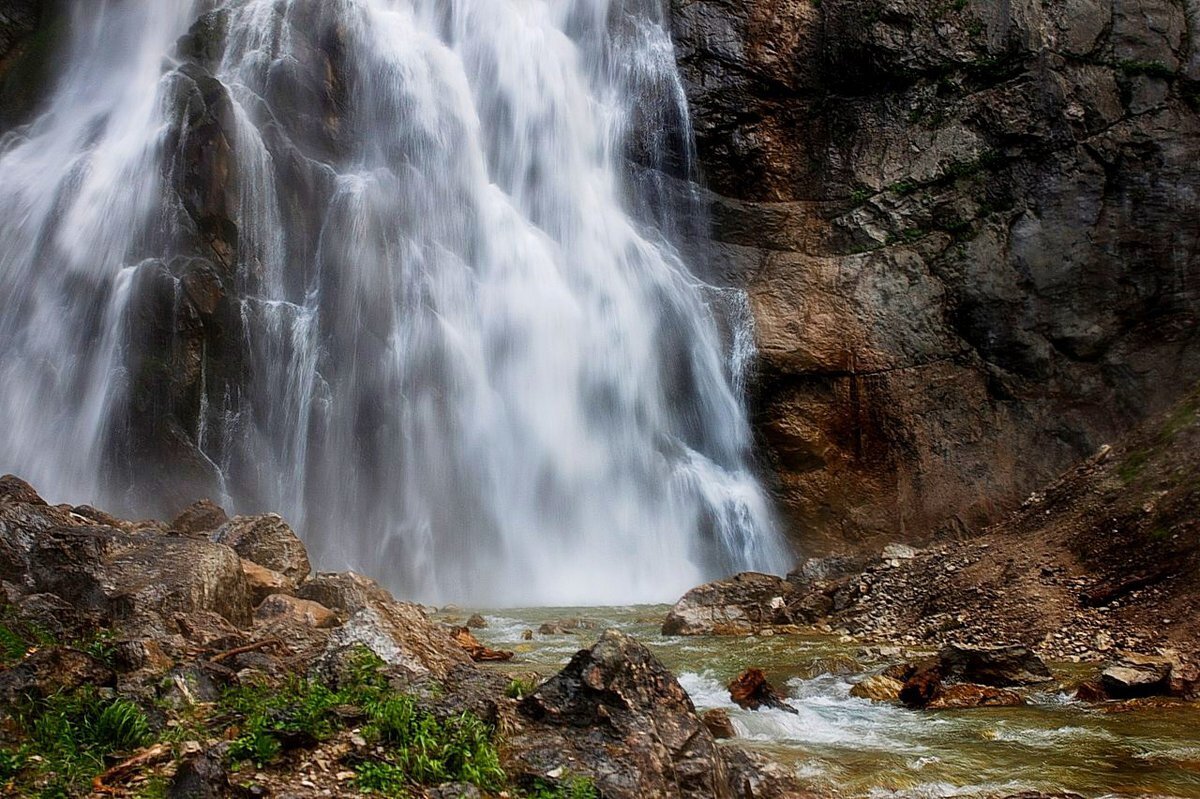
(202, 658)
(1100, 566)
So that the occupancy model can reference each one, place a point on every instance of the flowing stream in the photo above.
(405, 271)
(844, 746)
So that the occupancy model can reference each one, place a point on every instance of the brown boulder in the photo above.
(740, 605)
(999, 666)
(750, 690)
(268, 541)
(203, 516)
(478, 652)
(15, 490)
(922, 685)
(45, 672)
(345, 592)
(262, 582)
(616, 715)
(718, 723)
(1136, 676)
(283, 609)
(477, 622)
(964, 695)
(878, 688)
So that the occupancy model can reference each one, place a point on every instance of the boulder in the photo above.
(281, 608)
(135, 579)
(262, 582)
(922, 685)
(204, 516)
(718, 723)
(616, 715)
(965, 695)
(344, 592)
(1136, 676)
(477, 622)
(204, 775)
(740, 605)
(268, 541)
(16, 491)
(45, 672)
(401, 635)
(751, 691)
(878, 688)
(478, 652)
(999, 666)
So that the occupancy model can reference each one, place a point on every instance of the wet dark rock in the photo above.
(204, 775)
(616, 715)
(965, 695)
(922, 685)
(477, 622)
(750, 690)
(718, 723)
(999, 666)
(268, 541)
(15, 490)
(203, 516)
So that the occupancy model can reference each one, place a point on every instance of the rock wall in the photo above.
(970, 232)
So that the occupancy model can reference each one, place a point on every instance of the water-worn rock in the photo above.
(477, 622)
(965, 695)
(1134, 676)
(478, 652)
(752, 691)
(878, 688)
(718, 723)
(999, 666)
(203, 516)
(616, 715)
(740, 605)
(268, 541)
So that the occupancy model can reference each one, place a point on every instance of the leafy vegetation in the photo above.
(68, 736)
(573, 788)
(519, 688)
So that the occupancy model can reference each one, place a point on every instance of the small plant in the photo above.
(297, 714)
(12, 646)
(519, 689)
(573, 788)
(12, 763)
(386, 779)
(903, 187)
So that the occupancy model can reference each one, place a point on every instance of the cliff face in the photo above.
(969, 230)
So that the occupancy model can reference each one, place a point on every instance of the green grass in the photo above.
(519, 689)
(417, 747)
(68, 736)
(572, 788)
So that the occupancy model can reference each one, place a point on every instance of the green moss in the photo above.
(1154, 69)
(904, 187)
(571, 788)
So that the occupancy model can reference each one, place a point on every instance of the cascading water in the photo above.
(382, 266)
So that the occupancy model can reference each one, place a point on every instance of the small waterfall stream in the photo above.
(402, 270)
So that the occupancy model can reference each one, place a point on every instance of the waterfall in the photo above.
(386, 267)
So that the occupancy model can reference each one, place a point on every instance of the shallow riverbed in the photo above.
(858, 748)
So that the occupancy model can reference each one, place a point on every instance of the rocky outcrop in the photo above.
(967, 231)
(616, 698)
(741, 605)
(269, 542)
(998, 666)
